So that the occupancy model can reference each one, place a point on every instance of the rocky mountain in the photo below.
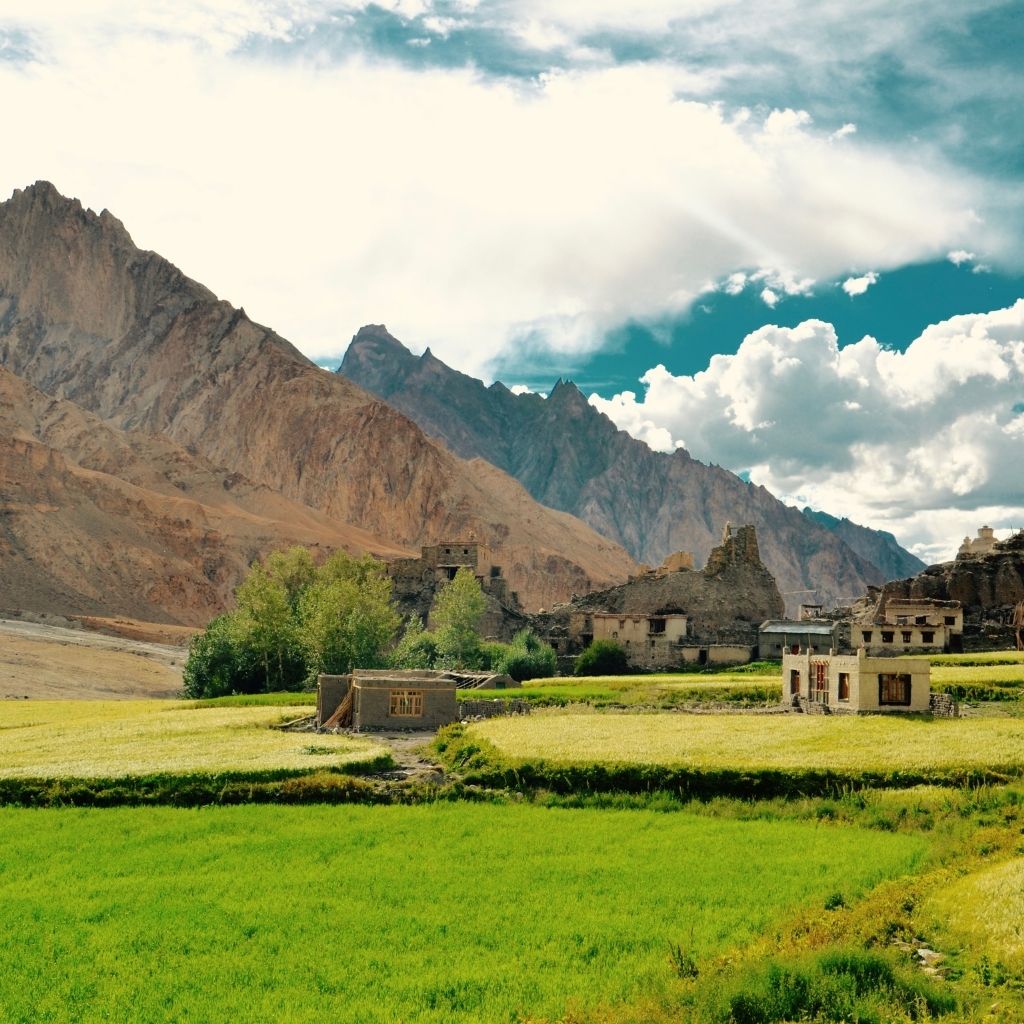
(99, 521)
(989, 586)
(571, 456)
(879, 547)
(87, 317)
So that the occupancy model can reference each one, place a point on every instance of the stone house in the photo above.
(855, 683)
(650, 641)
(776, 637)
(911, 624)
(387, 699)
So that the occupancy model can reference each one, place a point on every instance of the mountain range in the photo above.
(570, 456)
(156, 439)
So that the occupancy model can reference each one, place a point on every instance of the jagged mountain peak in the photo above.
(88, 317)
(571, 456)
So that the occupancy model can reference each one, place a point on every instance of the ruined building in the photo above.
(668, 617)
(416, 581)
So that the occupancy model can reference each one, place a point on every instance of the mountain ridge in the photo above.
(87, 316)
(569, 455)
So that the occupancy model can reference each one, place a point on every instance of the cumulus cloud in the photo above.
(840, 133)
(769, 297)
(925, 443)
(466, 212)
(859, 285)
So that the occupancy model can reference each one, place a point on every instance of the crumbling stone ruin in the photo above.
(668, 617)
(416, 581)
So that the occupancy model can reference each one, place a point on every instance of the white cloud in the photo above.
(924, 443)
(859, 285)
(466, 213)
(840, 133)
(958, 256)
(769, 298)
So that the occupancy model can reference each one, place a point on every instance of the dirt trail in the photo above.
(41, 661)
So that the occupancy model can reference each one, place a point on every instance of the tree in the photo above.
(602, 658)
(264, 623)
(218, 664)
(416, 649)
(458, 609)
(347, 621)
(294, 569)
(528, 657)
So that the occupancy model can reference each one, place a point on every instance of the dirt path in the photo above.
(40, 661)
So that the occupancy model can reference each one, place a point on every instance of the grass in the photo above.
(91, 739)
(765, 742)
(984, 912)
(439, 913)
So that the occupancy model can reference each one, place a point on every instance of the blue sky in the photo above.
(631, 193)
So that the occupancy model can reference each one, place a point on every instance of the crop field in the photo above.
(89, 739)
(985, 911)
(433, 913)
(756, 742)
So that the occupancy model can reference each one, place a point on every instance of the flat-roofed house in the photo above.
(387, 699)
(911, 624)
(855, 683)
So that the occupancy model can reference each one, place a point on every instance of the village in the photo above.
(862, 659)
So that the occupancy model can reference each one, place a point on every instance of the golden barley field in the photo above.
(726, 741)
(985, 911)
(89, 739)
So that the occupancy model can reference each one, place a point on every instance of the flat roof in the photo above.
(792, 626)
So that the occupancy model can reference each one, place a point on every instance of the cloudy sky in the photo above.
(787, 235)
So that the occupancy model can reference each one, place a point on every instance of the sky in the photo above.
(786, 235)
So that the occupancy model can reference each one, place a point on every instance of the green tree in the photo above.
(528, 657)
(265, 624)
(458, 609)
(602, 658)
(294, 569)
(218, 664)
(416, 649)
(347, 621)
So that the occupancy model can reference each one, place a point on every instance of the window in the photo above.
(406, 703)
(927, 636)
(655, 625)
(894, 689)
(794, 681)
(906, 636)
(887, 636)
(867, 636)
(921, 620)
(844, 685)
(950, 620)
(794, 649)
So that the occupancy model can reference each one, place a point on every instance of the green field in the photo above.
(764, 742)
(89, 739)
(438, 913)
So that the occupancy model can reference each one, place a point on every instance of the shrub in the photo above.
(602, 658)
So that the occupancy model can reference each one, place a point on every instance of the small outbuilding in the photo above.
(387, 699)
(855, 683)
(779, 636)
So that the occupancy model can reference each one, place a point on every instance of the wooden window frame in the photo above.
(844, 686)
(894, 689)
(405, 704)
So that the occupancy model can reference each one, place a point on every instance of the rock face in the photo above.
(734, 592)
(572, 457)
(879, 547)
(87, 317)
(987, 585)
(98, 521)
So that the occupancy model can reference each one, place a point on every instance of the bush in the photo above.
(522, 664)
(602, 658)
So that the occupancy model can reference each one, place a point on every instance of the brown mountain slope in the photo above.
(86, 315)
(96, 521)
(571, 456)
